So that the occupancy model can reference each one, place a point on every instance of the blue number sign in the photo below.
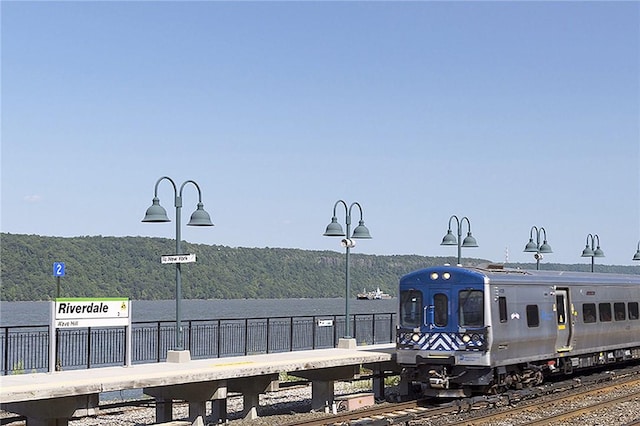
(58, 269)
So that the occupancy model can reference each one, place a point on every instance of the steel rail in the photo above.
(582, 410)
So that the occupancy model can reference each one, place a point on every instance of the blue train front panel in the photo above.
(442, 317)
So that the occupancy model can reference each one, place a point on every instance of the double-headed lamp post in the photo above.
(157, 213)
(537, 248)
(451, 240)
(637, 255)
(334, 229)
(592, 250)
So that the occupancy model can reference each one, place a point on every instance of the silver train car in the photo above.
(465, 331)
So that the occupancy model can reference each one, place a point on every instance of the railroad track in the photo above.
(525, 406)
(562, 407)
(385, 414)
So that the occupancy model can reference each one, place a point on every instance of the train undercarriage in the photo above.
(446, 380)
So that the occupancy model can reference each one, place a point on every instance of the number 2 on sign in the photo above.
(58, 269)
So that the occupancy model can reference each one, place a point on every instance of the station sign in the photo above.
(325, 323)
(178, 258)
(58, 269)
(91, 312)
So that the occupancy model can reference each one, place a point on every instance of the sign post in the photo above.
(58, 271)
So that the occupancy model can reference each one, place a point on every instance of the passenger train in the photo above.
(467, 330)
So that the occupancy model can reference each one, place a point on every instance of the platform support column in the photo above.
(404, 387)
(251, 388)
(164, 410)
(54, 411)
(219, 410)
(250, 401)
(377, 383)
(322, 393)
(196, 394)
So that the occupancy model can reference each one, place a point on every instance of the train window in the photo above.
(589, 313)
(441, 309)
(471, 308)
(560, 310)
(633, 310)
(619, 311)
(502, 308)
(533, 317)
(605, 311)
(411, 308)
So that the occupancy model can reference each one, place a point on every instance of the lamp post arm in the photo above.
(457, 223)
(355, 203)
(194, 184)
(347, 212)
(589, 236)
(155, 190)
(335, 206)
(544, 231)
(468, 224)
(537, 233)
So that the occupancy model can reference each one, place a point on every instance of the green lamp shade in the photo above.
(200, 217)
(598, 252)
(531, 247)
(449, 239)
(361, 231)
(587, 252)
(545, 248)
(334, 229)
(469, 241)
(156, 213)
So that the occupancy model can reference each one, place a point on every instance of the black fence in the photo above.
(25, 349)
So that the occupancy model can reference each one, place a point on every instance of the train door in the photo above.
(438, 310)
(563, 316)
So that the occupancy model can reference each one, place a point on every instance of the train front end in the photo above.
(442, 338)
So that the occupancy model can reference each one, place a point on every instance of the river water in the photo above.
(38, 313)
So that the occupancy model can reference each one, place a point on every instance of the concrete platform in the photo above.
(50, 398)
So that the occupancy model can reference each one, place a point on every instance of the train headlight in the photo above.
(466, 338)
(475, 338)
(415, 337)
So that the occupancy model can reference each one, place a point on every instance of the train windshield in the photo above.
(411, 308)
(471, 305)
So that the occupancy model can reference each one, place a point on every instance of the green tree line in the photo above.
(97, 266)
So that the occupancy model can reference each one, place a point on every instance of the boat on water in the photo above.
(377, 294)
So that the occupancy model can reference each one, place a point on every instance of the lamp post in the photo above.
(637, 255)
(451, 240)
(156, 214)
(536, 247)
(590, 251)
(334, 229)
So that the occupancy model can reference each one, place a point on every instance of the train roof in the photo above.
(498, 274)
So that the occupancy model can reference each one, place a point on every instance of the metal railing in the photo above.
(25, 349)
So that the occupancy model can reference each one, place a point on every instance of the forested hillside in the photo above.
(130, 267)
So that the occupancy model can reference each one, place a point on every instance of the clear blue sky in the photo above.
(513, 114)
